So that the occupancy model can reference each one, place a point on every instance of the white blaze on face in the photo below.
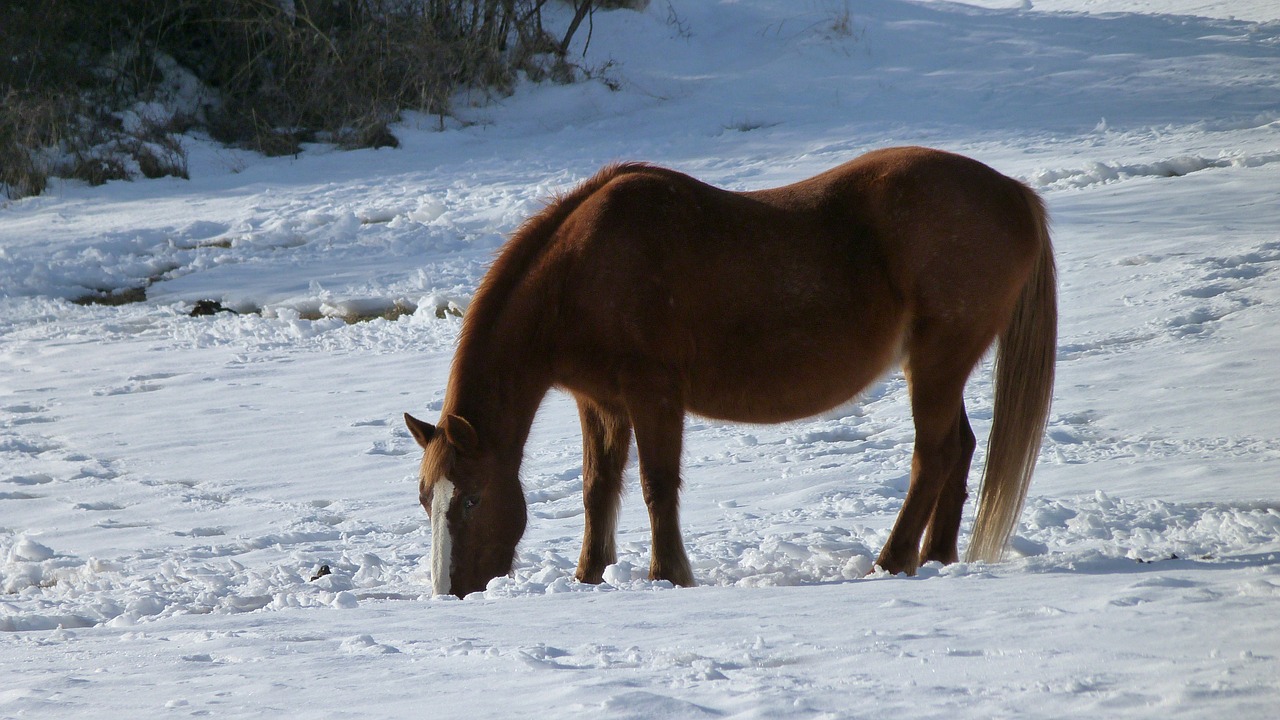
(441, 540)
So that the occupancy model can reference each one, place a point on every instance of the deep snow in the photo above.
(170, 485)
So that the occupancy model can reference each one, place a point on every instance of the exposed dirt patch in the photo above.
(123, 296)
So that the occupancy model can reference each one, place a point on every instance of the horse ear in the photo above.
(460, 434)
(422, 432)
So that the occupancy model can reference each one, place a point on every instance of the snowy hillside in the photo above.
(171, 486)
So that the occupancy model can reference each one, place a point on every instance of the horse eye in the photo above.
(469, 502)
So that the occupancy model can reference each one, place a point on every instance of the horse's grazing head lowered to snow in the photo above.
(475, 524)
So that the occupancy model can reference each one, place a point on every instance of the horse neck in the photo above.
(499, 380)
(503, 366)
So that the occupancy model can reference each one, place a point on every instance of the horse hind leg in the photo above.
(937, 368)
(941, 536)
(606, 443)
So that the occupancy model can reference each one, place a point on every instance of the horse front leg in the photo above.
(606, 443)
(657, 414)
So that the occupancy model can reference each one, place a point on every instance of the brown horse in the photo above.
(648, 294)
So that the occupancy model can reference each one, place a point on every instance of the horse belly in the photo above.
(796, 373)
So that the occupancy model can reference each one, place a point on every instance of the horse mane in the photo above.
(520, 254)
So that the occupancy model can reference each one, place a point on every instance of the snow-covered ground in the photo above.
(170, 485)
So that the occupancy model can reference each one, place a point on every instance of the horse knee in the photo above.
(661, 493)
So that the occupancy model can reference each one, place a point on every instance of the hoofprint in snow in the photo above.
(218, 515)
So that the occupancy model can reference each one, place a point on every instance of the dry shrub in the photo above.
(284, 72)
(26, 123)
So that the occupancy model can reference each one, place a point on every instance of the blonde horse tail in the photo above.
(1023, 390)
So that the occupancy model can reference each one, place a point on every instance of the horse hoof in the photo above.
(684, 579)
(592, 578)
(894, 566)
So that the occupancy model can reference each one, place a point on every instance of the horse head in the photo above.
(477, 513)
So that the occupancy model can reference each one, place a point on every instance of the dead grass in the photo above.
(284, 74)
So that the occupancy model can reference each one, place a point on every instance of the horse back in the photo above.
(953, 233)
